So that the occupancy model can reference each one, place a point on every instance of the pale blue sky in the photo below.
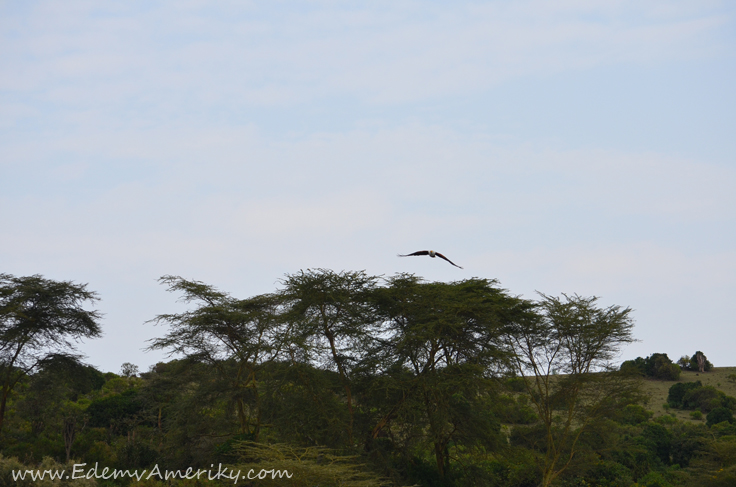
(568, 146)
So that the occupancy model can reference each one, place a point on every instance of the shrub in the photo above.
(609, 474)
(719, 415)
(666, 419)
(516, 384)
(634, 414)
(635, 366)
(723, 429)
(706, 398)
(657, 366)
(696, 415)
(688, 440)
(653, 479)
(115, 410)
(677, 392)
(658, 440)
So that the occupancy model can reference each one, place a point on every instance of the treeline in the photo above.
(395, 381)
(659, 366)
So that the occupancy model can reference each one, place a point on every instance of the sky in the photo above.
(558, 147)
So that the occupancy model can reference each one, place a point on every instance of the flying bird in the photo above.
(432, 254)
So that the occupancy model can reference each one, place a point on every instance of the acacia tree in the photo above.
(564, 353)
(39, 317)
(234, 336)
(332, 321)
(444, 340)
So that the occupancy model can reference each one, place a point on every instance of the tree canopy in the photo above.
(350, 378)
(39, 317)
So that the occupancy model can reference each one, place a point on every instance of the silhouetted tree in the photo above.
(234, 336)
(441, 343)
(331, 318)
(39, 317)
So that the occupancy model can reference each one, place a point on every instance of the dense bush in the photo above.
(687, 440)
(634, 414)
(117, 411)
(704, 398)
(610, 474)
(719, 415)
(696, 396)
(656, 366)
(658, 440)
(677, 392)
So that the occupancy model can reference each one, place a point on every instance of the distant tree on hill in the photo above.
(656, 366)
(129, 370)
(697, 363)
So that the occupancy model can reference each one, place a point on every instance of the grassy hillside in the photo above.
(658, 390)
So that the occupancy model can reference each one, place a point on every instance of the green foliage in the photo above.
(719, 415)
(308, 466)
(636, 367)
(633, 414)
(667, 419)
(574, 337)
(658, 440)
(516, 384)
(128, 370)
(723, 429)
(656, 366)
(609, 474)
(677, 392)
(654, 479)
(696, 415)
(694, 365)
(232, 336)
(39, 319)
(117, 412)
(515, 409)
(704, 398)
(720, 478)
(136, 454)
(347, 379)
(660, 367)
(688, 440)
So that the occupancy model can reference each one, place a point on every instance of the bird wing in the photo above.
(420, 252)
(448, 260)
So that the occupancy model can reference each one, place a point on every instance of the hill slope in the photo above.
(658, 389)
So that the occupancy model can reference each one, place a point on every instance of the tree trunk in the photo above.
(701, 362)
(2, 409)
(69, 433)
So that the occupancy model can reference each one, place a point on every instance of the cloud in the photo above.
(219, 143)
(144, 60)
